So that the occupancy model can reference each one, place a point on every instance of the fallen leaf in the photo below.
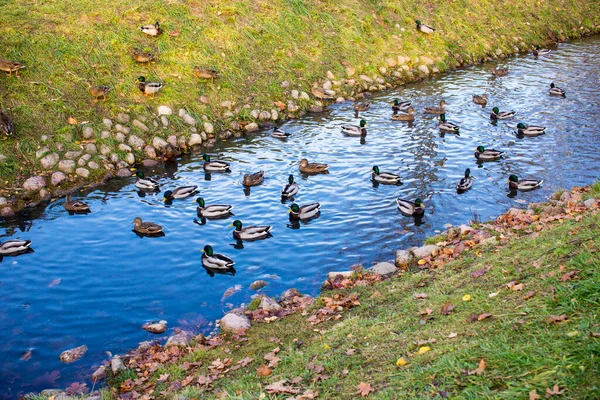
(557, 319)
(280, 104)
(401, 362)
(568, 276)
(421, 262)
(263, 371)
(447, 308)
(428, 341)
(421, 295)
(424, 349)
(452, 335)
(205, 380)
(279, 387)
(375, 295)
(186, 381)
(514, 286)
(533, 395)
(27, 355)
(479, 370)
(483, 316)
(72, 121)
(529, 295)
(350, 352)
(467, 297)
(163, 378)
(174, 33)
(554, 391)
(479, 273)
(537, 264)
(364, 389)
(493, 294)
(245, 361)
(426, 311)
(54, 282)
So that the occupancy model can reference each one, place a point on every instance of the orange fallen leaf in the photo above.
(426, 311)
(529, 295)
(479, 370)
(483, 316)
(514, 286)
(263, 371)
(186, 381)
(72, 121)
(375, 295)
(533, 395)
(554, 391)
(174, 33)
(557, 319)
(568, 276)
(447, 308)
(421, 295)
(280, 104)
(364, 389)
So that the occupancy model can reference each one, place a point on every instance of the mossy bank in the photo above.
(276, 60)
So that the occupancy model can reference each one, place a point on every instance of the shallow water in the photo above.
(112, 281)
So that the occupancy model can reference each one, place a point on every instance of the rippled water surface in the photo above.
(112, 281)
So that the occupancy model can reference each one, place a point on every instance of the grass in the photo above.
(254, 44)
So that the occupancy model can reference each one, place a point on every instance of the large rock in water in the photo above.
(72, 355)
(232, 322)
(116, 365)
(155, 326)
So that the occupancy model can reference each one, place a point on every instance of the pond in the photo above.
(92, 281)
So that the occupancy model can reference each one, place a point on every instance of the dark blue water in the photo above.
(112, 281)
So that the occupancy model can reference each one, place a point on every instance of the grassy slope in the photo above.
(521, 349)
(255, 44)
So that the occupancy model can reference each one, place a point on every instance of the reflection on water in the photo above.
(92, 281)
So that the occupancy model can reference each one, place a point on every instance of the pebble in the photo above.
(165, 110)
(83, 160)
(136, 142)
(107, 122)
(104, 150)
(57, 178)
(269, 304)
(72, 355)
(114, 157)
(71, 155)
(3, 201)
(87, 132)
(235, 126)
(2, 158)
(259, 284)
(150, 151)
(140, 125)
(290, 294)
(120, 137)
(49, 161)
(124, 147)
(589, 203)
(104, 134)
(327, 85)
(292, 106)
(188, 119)
(255, 113)
(122, 164)
(208, 127)
(149, 163)
(130, 158)
(425, 251)
(226, 104)
(83, 172)
(285, 84)
(340, 100)
(402, 258)
(384, 269)
(164, 121)
(181, 339)
(232, 322)
(423, 68)
(45, 195)
(295, 94)
(195, 139)
(123, 118)
(41, 152)
(93, 165)
(34, 183)
(66, 166)
(330, 75)
(7, 212)
(350, 71)
(91, 148)
(264, 115)
(316, 109)
(172, 140)
(366, 78)
(304, 96)
(204, 99)
(59, 146)
(274, 115)
(251, 127)
(123, 173)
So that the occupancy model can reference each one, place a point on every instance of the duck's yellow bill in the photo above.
(202, 251)
(289, 210)
(230, 225)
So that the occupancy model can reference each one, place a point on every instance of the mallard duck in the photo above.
(77, 206)
(312, 168)
(290, 189)
(530, 130)
(386, 178)
(497, 114)
(409, 115)
(254, 179)
(355, 130)
(142, 56)
(170, 152)
(424, 28)
(307, 211)
(280, 134)
(487, 155)
(436, 110)
(466, 182)
(537, 51)
(148, 87)
(500, 71)
(152, 30)
(481, 100)
(524, 184)
(144, 183)
(98, 91)
(11, 66)
(361, 106)
(6, 124)
(411, 209)
(215, 166)
(206, 73)
(146, 228)
(556, 91)
(180, 193)
(211, 260)
(212, 211)
(250, 232)
(446, 126)
(398, 105)
(14, 247)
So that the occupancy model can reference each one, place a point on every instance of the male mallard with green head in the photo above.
(148, 88)
(144, 183)
(290, 189)
(446, 126)
(215, 261)
(213, 210)
(152, 30)
(537, 51)
(424, 28)
(466, 182)
(304, 212)
(385, 178)
(523, 184)
(215, 165)
(556, 91)
(250, 232)
(14, 247)
(483, 154)
(530, 130)
(497, 114)
(180, 193)
(398, 105)
(411, 209)
(355, 130)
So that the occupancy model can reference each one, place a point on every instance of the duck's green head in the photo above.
(495, 110)
(208, 250)
(363, 123)
(442, 117)
(480, 149)
(206, 157)
(156, 24)
(168, 194)
(537, 46)
(238, 225)
(140, 174)
(200, 201)
(295, 208)
(291, 179)
(552, 85)
(396, 102)
(467, 172)
(418, 22)
(521, 125)
(376, 169)
(141, 79)
(513, 178)
(419, 202)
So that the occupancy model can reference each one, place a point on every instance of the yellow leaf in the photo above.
(72, 121)
(573, 334)
(467, 297)
(478, 254)
(424, 349)
(326, 346)
(422, 262)
(401, 362)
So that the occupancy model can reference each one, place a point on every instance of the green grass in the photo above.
(254, 44)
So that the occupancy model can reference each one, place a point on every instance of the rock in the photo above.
(251, 127)
(423, 68)
(59, 146)
(66, 166)
(140, 125)
(182, 112)
(330, 75)
(93, 165)
(83, 160)
(98, 374)
(232, 322)
(350, 71)
(44, 195)
(295, 94)
(316, 109)
(104, 150)
(259, 284)
(159, 143)
(155, 326)
(264, 115)
(188, 119)
(123, 173)
(150, 151)
(164, 110)
(91, 148)
(285, 84)
(123, 118)
(87, 132)
(49, 161)
(427, 60)
(269, 304)
(123, 129)
(402, 258)
(164, 121)
(274, 115)
(172, 140)
(304, 96)
(104, 134)
(120, 137)
(227, 104)
(3, 201)
(41, 152)
(122, 164)
(290, 294)
(2, 158)
(51, 392)
(181, 339)
(255, 113)
(391, 62)
(327, 85)
(145, 345)
(195, 139)
(7, 212)
(383, 70)
(465, 229)
(130, 158)
(345, 274)
(235, 126)
(72, 355)
(292, 106)
(34, 183)
(590, 203)
(383, 269)
(83, 172)
(136, 142)
(208, 127)
(124, 147)
(71, 155)
(57, 178)
(204, 99)
(340, 100)
(107, 122)
(116, 365)
(425, 251)
(366, 78)
(148, 163)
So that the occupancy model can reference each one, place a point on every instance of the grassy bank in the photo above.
(256, 45)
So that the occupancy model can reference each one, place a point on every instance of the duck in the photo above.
(98, 91)
(411, 209)
(446, 126)
(6, 124)
(481, 100)
(77, 206)
(14, 247)
(254, 179)
(436, 110)
(497, 114)
(250, 232)
(146, 228)
(386, 178)
(152, 30)
(290, 189)
(409, 115)
(355, 130)
(11, 66)
(170, 152)
(280, 134)
(144, 183)
(537, 51)
(556, 91)
(216, 261)
(142, 56)
(482, 154)
(500, 71)
(466, 182)
(398, 105)
(312, 168)
(148, 87)
(524, 184)
(216, 165)
(362, 106)
(307, 211)
(206, 73)
(530, 130)
(180, 193)
(424, 28)
(212, 211)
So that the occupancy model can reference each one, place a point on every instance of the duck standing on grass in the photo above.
(141, 56)
(424, 28)
(411, 209)
(206, 73)
(289, 190)
(497, 114)
(146, 228)
(556, 91)
(523, 184)
(98, 91)
(6, 124)
(148, 88)
(250, 232)
(466, 182)
(152, 30)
